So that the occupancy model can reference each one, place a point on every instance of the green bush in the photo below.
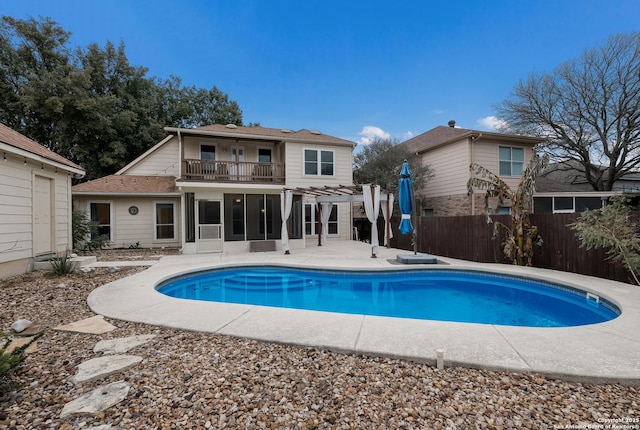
(613, 229)
(85, 233)
(61, 266)
(10, 364)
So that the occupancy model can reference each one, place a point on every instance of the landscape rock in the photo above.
(122, 344)
(20, 325)
(97, 400)
(100, 367)
(19, 343)
(93, 325)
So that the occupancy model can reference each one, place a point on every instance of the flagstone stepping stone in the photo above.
(93, 325)
(20, 342)
(32, 330)
(103, 366)
(122, 344)
(97, 400)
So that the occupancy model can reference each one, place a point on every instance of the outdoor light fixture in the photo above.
(41, 166)
(4, 156)
(25, 161)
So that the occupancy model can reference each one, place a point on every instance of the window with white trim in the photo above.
(165, 221)
(207, 152)
(311, 220)
(100, 213)
(318, 162)
(511, 160)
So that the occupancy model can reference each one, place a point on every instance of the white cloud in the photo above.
(438, 111)
(370, 132)
(408, 135)
(491, 123)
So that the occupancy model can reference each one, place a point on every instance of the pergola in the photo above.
(369, 194)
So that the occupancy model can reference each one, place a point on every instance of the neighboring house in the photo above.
(564, 189)
(449, 151)
(217, 188)
(35, 208)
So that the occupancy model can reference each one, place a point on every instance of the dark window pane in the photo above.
(164, 232)
(542, 205)
(562, 203)
(207, 152)
(264, 155)
(164, 213)
(591, 203)
(234, 217)
(209, 212)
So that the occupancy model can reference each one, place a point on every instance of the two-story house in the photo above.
(217, 188)
(449, 151)
(35, 208)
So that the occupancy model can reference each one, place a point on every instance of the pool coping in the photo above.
(596, 353)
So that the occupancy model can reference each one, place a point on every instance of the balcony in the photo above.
(232, 171)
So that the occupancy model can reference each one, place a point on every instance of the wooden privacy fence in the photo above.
(471, 238)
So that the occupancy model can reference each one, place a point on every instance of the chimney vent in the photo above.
(452, 124)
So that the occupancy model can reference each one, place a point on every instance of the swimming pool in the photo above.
(445, 295)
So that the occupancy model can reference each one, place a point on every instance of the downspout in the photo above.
(471, 161)
(181, 151)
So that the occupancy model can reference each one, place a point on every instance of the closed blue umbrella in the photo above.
(405, 197)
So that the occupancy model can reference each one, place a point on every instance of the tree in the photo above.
(189, 107)
(521, 236)
(612, 228)
(90, 104)
(588, 109)
(380, 162)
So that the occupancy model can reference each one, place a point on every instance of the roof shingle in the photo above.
(17, 140)
(128, 184)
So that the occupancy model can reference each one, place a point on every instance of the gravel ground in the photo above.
(194, 380)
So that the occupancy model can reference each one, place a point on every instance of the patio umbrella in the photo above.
(405, 198)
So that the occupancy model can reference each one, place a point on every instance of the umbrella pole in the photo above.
(415, 224)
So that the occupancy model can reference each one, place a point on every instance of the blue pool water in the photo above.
(445, 295)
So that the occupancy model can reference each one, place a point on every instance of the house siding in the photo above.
(17, 217)
(136, 230)
(450, 165)
(164, 161)
(343, 175)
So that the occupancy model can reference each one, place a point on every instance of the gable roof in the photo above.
(263, 133)
(21, 142)
(443, 135)
(128, 184)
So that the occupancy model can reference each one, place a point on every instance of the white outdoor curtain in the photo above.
(286, 199)
(372, 208)
(388, 232)
(325, 213)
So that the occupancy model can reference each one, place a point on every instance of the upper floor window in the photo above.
(264, 155)
(511, 160)
(318, 162)
(207, 152)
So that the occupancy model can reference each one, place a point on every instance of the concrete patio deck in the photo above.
(605, 352)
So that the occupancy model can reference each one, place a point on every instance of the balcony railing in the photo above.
(232, 171)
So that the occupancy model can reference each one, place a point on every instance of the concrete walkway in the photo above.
(605, 352)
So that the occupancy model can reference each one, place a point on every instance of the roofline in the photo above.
(483, 134)
(139, 194)
(144, 155)
(253, 136)
(78, 173)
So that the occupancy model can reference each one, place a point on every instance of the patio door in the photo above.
(209, 222)
(237, 166)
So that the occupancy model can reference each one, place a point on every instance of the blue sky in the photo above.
(351, 69)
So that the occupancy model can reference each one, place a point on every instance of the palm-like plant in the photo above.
(521, 236)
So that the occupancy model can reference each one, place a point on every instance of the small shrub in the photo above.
(10, 364)
(85, 233)
(61, 266)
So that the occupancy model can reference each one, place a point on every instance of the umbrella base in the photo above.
(416, 259)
